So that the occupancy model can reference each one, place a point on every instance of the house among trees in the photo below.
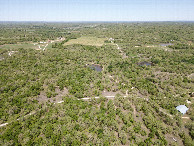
(182, 108)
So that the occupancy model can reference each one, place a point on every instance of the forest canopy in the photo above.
(96, 83)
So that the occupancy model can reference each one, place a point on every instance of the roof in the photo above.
(182, 108)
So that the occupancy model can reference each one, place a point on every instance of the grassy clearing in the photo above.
(91, 41)
(30, 45)
(26, 46)
(17, 46)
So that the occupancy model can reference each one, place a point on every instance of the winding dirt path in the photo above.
(34, 112)
(121, 51)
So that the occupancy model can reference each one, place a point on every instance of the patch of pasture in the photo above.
(17, 46)
(85, 40)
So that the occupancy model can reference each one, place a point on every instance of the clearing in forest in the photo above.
(86, 40)
(17, 46)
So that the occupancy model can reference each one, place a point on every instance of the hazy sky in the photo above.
(96, 10)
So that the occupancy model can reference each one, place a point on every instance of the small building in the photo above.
(182, 108)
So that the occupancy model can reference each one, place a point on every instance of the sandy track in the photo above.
(34, 112)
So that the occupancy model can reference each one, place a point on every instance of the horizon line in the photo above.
(100, 21)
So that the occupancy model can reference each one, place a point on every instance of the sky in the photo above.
(96, 10)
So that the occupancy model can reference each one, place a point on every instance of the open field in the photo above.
(31, 45)
(85, 40)
(17, 46)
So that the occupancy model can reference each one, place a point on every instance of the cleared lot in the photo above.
(91, 41)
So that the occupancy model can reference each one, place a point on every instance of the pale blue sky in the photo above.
(96, 10)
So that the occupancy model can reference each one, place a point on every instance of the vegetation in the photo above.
(92, 41)
(41, 90)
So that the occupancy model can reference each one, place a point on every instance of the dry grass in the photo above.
(90, 41)
(17, 46)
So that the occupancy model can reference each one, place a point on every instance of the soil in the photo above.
(177, 140)
(43, 98)
(111, 93)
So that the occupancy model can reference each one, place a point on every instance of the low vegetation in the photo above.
(90, 41)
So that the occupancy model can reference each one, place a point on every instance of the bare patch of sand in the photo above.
(191, 76)
(43, 98)
(110, 93)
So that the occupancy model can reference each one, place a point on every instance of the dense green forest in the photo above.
(48, 83)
